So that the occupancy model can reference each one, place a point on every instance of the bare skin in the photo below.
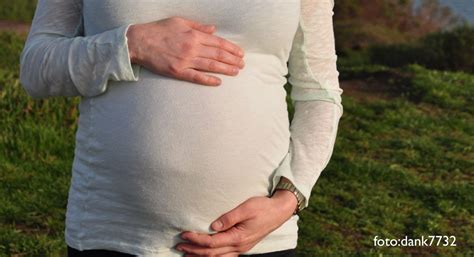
(182, 49)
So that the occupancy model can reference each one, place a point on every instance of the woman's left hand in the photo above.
(242, 227)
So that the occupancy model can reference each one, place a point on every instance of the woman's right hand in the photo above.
(181, 48)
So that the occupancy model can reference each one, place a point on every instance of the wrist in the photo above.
(286, 200)
(132, 43)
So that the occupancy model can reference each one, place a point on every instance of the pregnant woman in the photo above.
(183, 120)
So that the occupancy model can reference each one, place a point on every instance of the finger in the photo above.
(205, 64)
(215, 41)
(231, 254)
(206, 251)
(231, 218)
(208, 29)
(220, 55)
(231, 237)
(199, 26)
(199, 77)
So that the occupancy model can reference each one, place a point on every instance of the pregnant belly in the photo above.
(182, 154)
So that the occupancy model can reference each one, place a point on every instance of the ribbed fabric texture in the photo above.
(155, 155)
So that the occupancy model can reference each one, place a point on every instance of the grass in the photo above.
(402, 165)
(17, 10)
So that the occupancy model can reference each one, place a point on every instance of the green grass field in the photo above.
(402, 165)
(17, 10)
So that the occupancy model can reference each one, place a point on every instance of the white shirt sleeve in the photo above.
(316, 96)
(58, 60)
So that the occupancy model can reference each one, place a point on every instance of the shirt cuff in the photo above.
(126, 70)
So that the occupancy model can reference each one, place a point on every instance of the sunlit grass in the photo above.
(402, 166)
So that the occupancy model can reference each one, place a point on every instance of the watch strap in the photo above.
(290, 187)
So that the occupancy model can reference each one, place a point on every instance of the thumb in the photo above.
(229, 219)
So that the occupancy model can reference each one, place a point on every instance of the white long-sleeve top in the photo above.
(154, 155)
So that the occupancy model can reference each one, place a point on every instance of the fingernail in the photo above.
(241, 53)
(242, 63)
(218, 224)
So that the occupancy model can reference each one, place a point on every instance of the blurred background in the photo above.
(403, 164)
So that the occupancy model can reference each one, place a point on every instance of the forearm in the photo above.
(58, 60)
(314, 130)
(62, 66)
(134, 37)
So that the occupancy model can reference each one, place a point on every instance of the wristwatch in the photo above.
(289, 186)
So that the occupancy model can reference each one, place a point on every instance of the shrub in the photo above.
(443, 50)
